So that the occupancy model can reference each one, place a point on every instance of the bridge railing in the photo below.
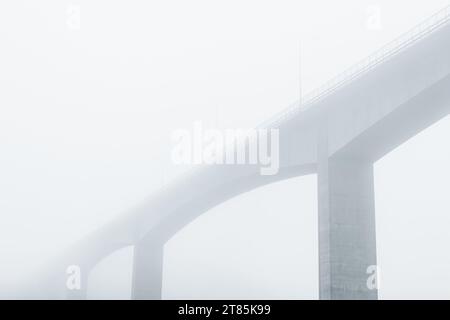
(417, 33)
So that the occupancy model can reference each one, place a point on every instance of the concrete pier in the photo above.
(147, 269)
(347, 242)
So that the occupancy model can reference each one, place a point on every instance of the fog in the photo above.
(92, 90)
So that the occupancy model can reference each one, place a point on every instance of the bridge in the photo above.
(336, 132)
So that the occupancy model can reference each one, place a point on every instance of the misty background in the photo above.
(90, 92)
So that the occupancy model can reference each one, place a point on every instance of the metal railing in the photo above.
(417, 33)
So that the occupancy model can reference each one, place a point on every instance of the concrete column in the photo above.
(347, 243)
(147, 270)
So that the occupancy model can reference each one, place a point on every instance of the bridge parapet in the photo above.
(419, 32)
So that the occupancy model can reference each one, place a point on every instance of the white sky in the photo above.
(85, 123)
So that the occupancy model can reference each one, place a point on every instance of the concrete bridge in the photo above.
(337, 132)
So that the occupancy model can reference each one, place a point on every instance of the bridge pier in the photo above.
(147, 269)
(347, 240)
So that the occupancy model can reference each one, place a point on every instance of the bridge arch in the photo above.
(111, 277)
(256, 232)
